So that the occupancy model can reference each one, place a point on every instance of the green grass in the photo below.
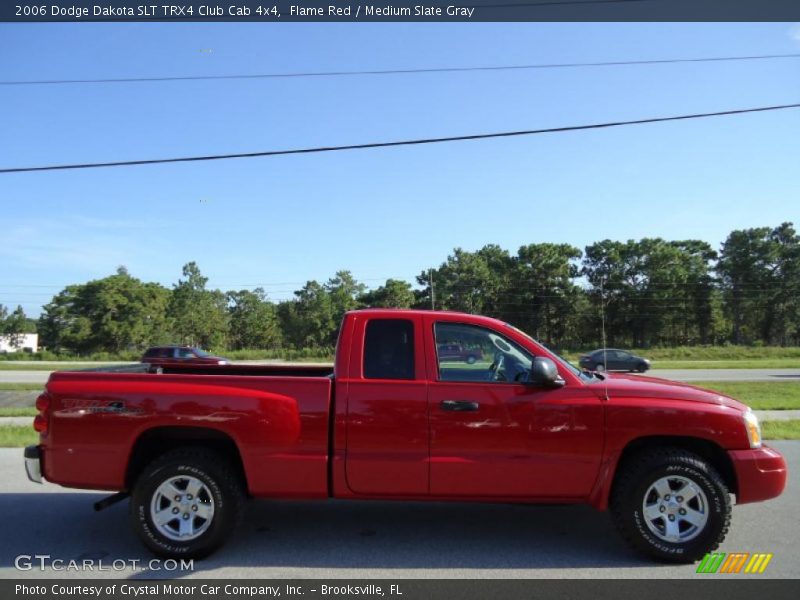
(781, 430)
(320, 354)
(712, 353)
(721, 352)
(36, 366)
(717, 357)
(759, 395)
(17, 411)
(17, 436)
(681, 357)
(289, 354)
(20, 387)
(748, 363)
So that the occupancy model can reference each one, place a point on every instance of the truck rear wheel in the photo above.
(671, 504)
(186, 502)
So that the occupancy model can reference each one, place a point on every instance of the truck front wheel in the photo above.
(186, 502)
(671, 504)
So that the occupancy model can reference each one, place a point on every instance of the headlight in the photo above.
(753, 429)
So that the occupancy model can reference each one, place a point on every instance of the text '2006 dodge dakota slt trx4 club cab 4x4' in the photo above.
(393, 419)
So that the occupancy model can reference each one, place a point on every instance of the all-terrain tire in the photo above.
(221, 489)
(635, 481)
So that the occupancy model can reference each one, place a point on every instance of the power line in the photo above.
(359, 73)
(413, 142)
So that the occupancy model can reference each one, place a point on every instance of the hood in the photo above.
(622, 386)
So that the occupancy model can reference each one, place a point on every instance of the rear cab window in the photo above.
(389, 349)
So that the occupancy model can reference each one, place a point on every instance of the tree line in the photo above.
(642, 293)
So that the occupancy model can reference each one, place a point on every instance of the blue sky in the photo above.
(382, 213)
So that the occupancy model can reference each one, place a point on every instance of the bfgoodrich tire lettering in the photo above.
(222, 490)
(634, 492)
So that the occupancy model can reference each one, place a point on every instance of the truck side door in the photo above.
(387, 408)
(493, 435)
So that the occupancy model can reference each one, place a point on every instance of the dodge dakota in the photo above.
(394, 420)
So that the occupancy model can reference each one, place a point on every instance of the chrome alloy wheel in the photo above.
(675, 509)
(182, 508)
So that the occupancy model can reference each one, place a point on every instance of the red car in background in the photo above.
(457, 353)
(181, 355)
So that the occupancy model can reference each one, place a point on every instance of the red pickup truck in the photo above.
(392, 420)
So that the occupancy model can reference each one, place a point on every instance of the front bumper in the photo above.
(33, 463)
(760, 474)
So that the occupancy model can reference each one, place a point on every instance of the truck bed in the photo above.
(277, 416)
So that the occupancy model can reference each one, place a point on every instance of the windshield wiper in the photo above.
(594, 374)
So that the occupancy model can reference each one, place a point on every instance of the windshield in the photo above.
(584, 375)
(200, 352)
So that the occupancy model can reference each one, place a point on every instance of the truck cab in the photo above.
(420, 424)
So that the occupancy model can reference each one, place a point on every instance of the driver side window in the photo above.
(476, 354)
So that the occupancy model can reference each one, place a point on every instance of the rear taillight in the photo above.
(40, 424)
(43, 403)
(41, 421)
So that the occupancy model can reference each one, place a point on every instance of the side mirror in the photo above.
(545, 373)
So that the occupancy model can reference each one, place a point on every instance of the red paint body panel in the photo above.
(523, 442)
(386, 424)
(304, 434)
(279, 425)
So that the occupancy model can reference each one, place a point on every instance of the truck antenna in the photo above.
(603, 324)
(603, 334)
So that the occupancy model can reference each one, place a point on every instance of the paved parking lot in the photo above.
(379, 540)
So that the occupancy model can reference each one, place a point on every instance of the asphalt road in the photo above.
(379, 540)
(727, 374)
(24, 376)
(676, 374)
